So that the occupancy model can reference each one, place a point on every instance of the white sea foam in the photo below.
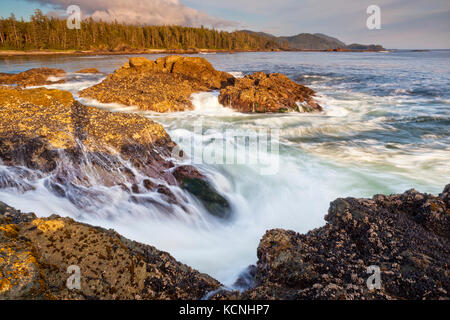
(54, 79)
(208, 103)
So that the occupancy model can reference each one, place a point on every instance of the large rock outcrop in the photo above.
(35, 255)
(88, 70)
(407, 236)
(78, 147)
(163, 85)
(33, 77)
(261, 92)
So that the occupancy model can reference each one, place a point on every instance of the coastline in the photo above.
(8, 53)
(18, 53)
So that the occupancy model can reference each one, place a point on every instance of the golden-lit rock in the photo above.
(261, 92)
(163, 85)
(33, 77)
(78, 147)
(56, 116)
(34, 263)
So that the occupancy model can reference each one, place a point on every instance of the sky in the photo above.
(405, 24)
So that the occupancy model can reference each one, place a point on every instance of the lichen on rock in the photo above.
(78, 147)
(407, 236)
(163, 85)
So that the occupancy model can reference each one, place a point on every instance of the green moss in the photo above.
(216, 204)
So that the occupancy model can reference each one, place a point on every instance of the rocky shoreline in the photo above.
(77, 147)
(36, 253)
(406, 236)
(167, 85)
(48, 135)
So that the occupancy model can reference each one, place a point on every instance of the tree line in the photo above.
(43, 32)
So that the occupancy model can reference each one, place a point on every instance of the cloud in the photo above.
(151, 12)
(405, 23)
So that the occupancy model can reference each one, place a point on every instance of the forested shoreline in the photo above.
(49, 33)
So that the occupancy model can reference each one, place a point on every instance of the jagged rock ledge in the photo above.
(166, 85)
(35, 254)
(163, 85)
(76, 147)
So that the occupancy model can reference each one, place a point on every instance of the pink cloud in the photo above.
(151, 12)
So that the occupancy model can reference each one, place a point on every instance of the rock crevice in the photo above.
(35, 255)
(77, 147)
(407, 236)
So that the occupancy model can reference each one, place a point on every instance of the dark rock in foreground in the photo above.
(216, 204)
(33, 77)
(163, 85)
(261, 92)
(35, 255)
(407, 236)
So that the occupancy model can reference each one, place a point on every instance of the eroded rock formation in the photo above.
(407, 236)
(78, 147)
(163, 85)
(33, 77)
(35, 255)
(261, 92)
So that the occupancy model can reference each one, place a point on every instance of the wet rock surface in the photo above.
(35, 254)
(33, 77)
(407, 236)
(163, 85)
(47, 134)
(261, 92)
